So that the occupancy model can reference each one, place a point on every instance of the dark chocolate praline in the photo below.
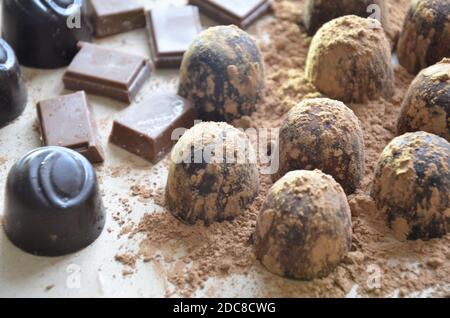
(44, 34)
(52, 203)
(412, 186)
(13, 92)
(222, 74)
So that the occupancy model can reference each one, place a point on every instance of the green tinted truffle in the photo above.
(426, 105)
(222, 73)
(213, 174)
(323, 134)
(304, 229)
(425, 37)
(412, 185)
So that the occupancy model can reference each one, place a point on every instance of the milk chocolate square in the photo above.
(146, 128)
(172, 30)
(238, 12)
(67, 121)
(106, 72)
(117, 16)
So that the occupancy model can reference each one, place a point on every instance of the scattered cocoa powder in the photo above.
(378, 265)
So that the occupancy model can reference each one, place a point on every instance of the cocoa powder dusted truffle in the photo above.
(426, 105)
(222, 73)
(323, 134)
(304, 229)
(213, 174)
(412, 185)
(350, 60)
(425, 37)
(319, 12)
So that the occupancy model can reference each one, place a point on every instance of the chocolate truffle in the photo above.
(319, 12)
(44, 34)
(412, 186)
(426, 105)
(323, 134)
(350, 60)
(222, 73)
(13, 92)
(213, 174)
(425, 37)
(304, 229)
(53, 206)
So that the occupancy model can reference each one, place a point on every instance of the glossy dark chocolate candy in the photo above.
(52, 203)
(44, 34)
(13, 93)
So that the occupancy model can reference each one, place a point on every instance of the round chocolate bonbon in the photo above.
(44, 34)
(350, 60)
(425, 37)
(304, 229)
(213, 174)
(222, 74)
(52, 205)
(13, 92)
(412, 186)
(426, 106)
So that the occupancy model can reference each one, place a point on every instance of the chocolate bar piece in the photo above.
(172, 30)
(146, 129)
(107, 72)
(117, 16)
(67, 121)
(43, 33)
(53, 204)
(238, 12)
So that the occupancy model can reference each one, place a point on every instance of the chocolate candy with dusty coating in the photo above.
(213, 174)
(350, 60)
(319, 12)
(425, 37)
(304, 229)
(44, 34)
(13, 92)
(426, 106)
(323, 134)
(53, 205)
(222, 73)
(412, 186)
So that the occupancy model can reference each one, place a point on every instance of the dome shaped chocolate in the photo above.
(319, 12)
(213, 174)
(412, 186)
(350, 60)
(304, 229)
(426, 106)
(222, 73)
(44, 34)
(425, 37)
(52, 203)
(13, 93)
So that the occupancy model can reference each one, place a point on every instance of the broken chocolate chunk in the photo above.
(107, 72)
(67, 121)
(238, 12)
(172, 29)
(149, 128)
(117, 16)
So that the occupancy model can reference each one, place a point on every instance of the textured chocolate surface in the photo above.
(53, 206)
(13, 92)
(237, 12)
(107, 72)
(116, 16)
(44, 34)
(146, 129)
(172, 29)
(67, 121)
